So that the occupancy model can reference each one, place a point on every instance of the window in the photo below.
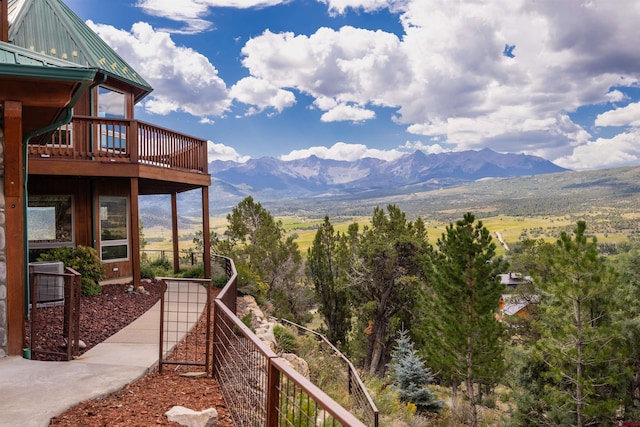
(114, 229)
(112, 104)
(49, 223)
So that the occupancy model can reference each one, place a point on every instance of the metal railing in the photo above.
(260, 388)
(48, 284)
(361, 398)
(187, 257)
(121, 140)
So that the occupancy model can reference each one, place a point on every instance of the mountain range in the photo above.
(268, 178)
(293, 185)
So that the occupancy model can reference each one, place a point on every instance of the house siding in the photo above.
(3, 257)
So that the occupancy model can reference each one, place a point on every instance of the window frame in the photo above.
(109, 243)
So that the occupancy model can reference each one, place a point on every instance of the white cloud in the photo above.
(262, 94)
(621, 150)
(616, 96)
(340, 6)
(192, 12)
(427, 148)
(447, 76)
(624, 116)
(344, 112)
(183, 79)
(223, 152)
(343, 151)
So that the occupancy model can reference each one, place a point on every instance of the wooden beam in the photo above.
(36, 93)
(206, 232)
(4, 21)
(135, 234)
(174, 232)
(14, 222)
(181, 180)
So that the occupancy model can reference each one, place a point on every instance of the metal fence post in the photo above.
(273, 395)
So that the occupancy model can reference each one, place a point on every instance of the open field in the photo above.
(511, 228)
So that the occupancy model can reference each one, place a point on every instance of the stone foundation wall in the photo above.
(3, 257)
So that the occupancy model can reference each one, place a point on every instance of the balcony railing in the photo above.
(119, 140)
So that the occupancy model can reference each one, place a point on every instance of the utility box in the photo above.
(49, 289)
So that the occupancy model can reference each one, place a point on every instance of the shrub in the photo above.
(285, 339)
(246, 319)
(410, 377)
(157, 268)
(219, 281)
(85, 260)
(196, 271)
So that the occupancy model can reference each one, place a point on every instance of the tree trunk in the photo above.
(469, 383)
(377, 352)
(579, 344)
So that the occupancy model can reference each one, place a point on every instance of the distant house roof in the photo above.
(50, 28)
(514, 279)
(511, 304)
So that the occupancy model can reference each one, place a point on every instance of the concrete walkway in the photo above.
(32, 392)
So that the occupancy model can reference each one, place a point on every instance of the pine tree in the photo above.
(578, 340)
(270, 261)
(387, 277)
(466, 337)
(410, 376)
(324, 270)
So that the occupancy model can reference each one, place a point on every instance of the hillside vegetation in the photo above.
(540, 206)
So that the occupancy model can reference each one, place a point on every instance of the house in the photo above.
(513, 280)
(517, 304)
(73, 159)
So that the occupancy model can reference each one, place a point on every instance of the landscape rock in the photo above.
(190, 418)
(299, 364)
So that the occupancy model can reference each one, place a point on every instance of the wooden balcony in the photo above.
(98, 146)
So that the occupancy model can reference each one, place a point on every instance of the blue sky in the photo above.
(346, 79)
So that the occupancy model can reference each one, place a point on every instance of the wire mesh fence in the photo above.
(49, 290)
(184, 303)
(346, 373)
(260, 388)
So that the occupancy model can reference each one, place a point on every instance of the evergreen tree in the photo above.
(386, 277)
(627, 315)
(410, 376)
(324, 270)
(466, 336)
(268, 262)
(578, 340)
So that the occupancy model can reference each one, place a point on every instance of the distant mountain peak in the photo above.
(268, 178)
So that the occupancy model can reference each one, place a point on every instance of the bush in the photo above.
(219, 281)
(83, 259)
(196, 271)
(157, 268)
(285, 339)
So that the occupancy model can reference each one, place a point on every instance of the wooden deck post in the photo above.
(135, 233)
(4, 21)
(15, 227)
(206, 233)
(174, 230)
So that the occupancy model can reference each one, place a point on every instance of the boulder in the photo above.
(190, 418)
(297, 363)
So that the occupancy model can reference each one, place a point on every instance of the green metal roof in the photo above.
(50, 28)
(19, 62)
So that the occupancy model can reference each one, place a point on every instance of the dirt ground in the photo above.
(145, 401)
